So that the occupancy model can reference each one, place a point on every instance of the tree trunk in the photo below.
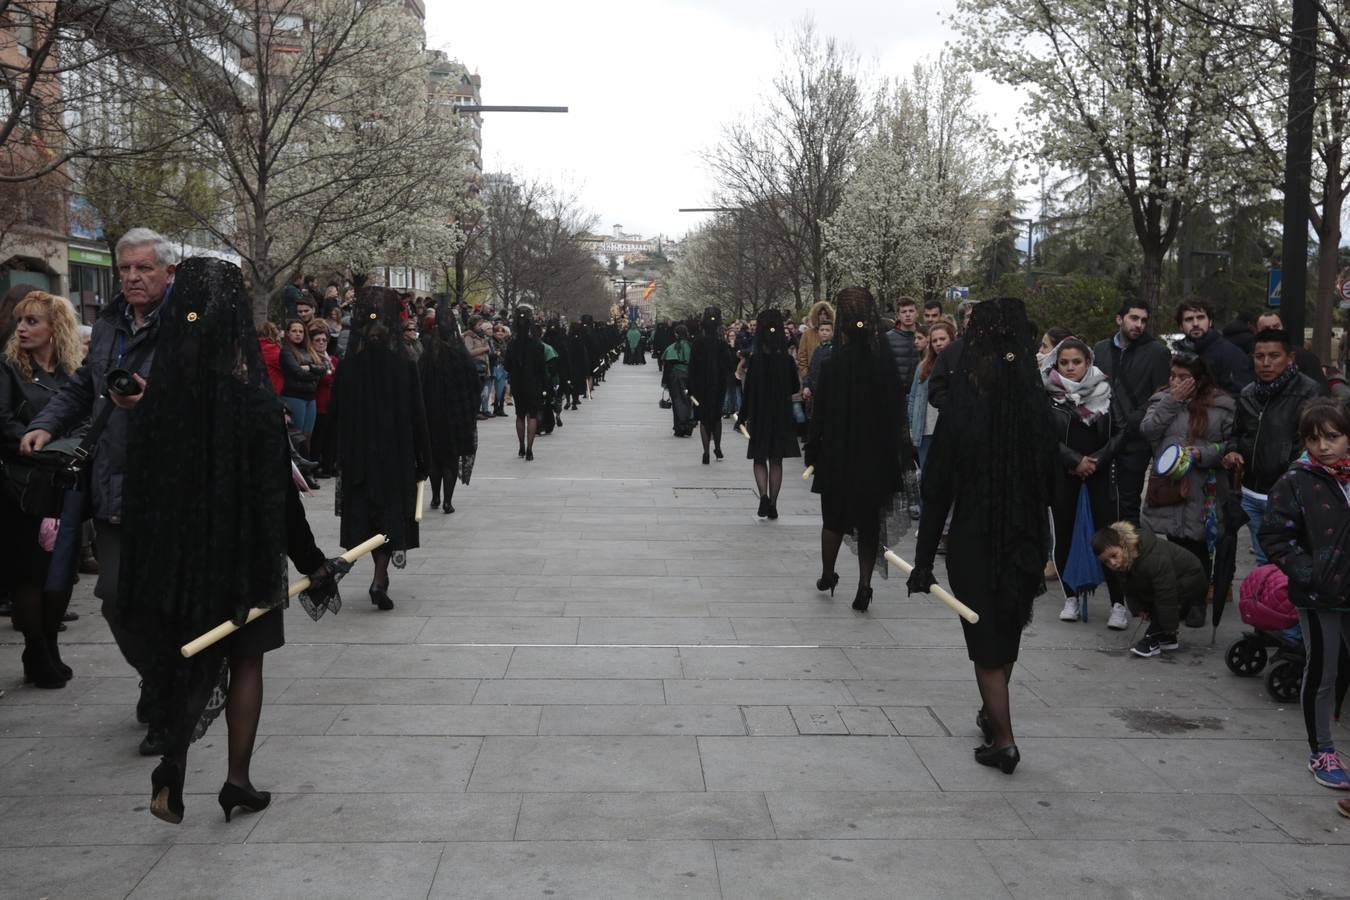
(1328, 245)
(1150, 276)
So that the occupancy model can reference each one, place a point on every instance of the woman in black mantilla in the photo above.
(524, 361)
(381, 436)
(450, 395)
(770, 382)
(210, 502)
(993, 465)
(578, 364)
(711, 363)
(856, 443)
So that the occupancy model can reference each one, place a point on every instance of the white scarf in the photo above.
(1090, 397)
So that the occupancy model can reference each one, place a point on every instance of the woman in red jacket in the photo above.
(269, 346)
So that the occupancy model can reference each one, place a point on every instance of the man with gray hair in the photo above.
(123, 339)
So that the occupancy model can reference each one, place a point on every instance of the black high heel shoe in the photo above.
(166, 792)
(717, 451)
(1005, 758)
(705, 457)
(863, 599)
(529, 456)
(827, 582)
(380, 597)
(38, 669)
(232, 796)
(773, 509)
(986, 727)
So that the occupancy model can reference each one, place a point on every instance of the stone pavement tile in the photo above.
(1306, 871)
(605, 565)
(297, 718)
(756, 692)
(480, 719)
(893, 815)
(577, 870)
(499, 630)
(916, 721)
(474, 605)
(594, 662)
(819, 606)
(1112, 666)
(346, 691)
(644, 817)
(353, 629)
(1147, 870)
(587, 764)
(641, 719)
(1146, 692)
(1048, 765)
(914, 665)
(839, 631)
(818, 720)
(765, 662)
(417, 661)
(1309, 819)
(685, 630)
(924, 692)
(856, 869)
(812, 764)
(1033, 720)
(925, 633)
(345, 764)
(97, 765)
(866, 720)
(761, 721)
(115, 819)
(305, 660)
(86, 873)
(1228, 767)
(46, 720)
(567, 691)
(19, 694)
(1136, 816)
(394, 818)
(1217, 722)
(295, 871)
(1233, 692)
(615, 607)
(659, 584)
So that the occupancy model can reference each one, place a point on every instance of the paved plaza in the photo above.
(604, 678)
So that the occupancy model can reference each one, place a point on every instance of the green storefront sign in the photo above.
(90, 257)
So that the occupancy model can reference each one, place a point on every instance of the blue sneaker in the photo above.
(1328, 771)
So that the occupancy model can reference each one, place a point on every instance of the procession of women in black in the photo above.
(198, 469)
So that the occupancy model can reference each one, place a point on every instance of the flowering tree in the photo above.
(1135, 89)
(917, 207)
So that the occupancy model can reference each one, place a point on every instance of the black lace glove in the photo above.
(322, 594)
(921, 580)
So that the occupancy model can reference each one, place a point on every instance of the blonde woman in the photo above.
(39, 356)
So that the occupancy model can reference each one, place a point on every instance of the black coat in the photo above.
(711, 363)
(770, 382)
(1231, 367)
(1266, 433)
(1137, 371)
(905, 357)
(1306, 532)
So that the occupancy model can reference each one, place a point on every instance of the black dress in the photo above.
(770, 382)
(992, 464)
(25, 560)
(711, 364)
(526, 370)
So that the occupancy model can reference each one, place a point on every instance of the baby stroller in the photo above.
(1275, 639)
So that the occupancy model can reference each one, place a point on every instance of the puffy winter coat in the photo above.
(1306, 532)
(1168, 422)
(821, 311)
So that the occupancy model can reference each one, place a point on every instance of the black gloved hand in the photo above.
(322, 594)
(921, 580)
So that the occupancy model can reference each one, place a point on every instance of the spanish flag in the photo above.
(647, 291)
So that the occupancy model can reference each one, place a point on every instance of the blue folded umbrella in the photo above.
(1082, 572)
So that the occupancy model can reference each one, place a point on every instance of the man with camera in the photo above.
(120, 354)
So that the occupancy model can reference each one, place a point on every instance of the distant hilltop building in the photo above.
(618, 246)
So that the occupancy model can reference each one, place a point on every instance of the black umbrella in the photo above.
(1231, 519)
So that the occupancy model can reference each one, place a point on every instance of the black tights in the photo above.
(993, 683)
(443, 480)
(526, 428)
(769, 477)
(381, 559)
(243, 709)
(36, 612)
(868, 545)
(713, 434)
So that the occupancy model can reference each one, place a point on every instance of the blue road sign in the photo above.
(1273, 288)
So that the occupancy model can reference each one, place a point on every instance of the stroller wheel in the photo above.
(1284, 680)
(1246, 657)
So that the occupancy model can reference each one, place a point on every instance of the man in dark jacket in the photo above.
(1137, 366)
(1231, 367)
(1265, 432)
(1241, 334)
(900, 341)
(124, 338)
(1307, 361)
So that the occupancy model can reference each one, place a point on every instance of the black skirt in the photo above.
(262, 635)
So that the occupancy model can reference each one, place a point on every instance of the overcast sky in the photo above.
(651, 83)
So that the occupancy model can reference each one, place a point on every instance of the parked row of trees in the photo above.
(1156, 128)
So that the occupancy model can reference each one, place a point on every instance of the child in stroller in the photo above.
(1264, 605)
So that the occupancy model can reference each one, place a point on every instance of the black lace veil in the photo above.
(204, 509)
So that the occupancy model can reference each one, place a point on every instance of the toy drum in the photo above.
(1173, 462)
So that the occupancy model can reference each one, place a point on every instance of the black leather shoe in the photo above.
(1005, 758)
(863, 599)
(380, 597)
(232, 796)
(827, 583)
(166, 792)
